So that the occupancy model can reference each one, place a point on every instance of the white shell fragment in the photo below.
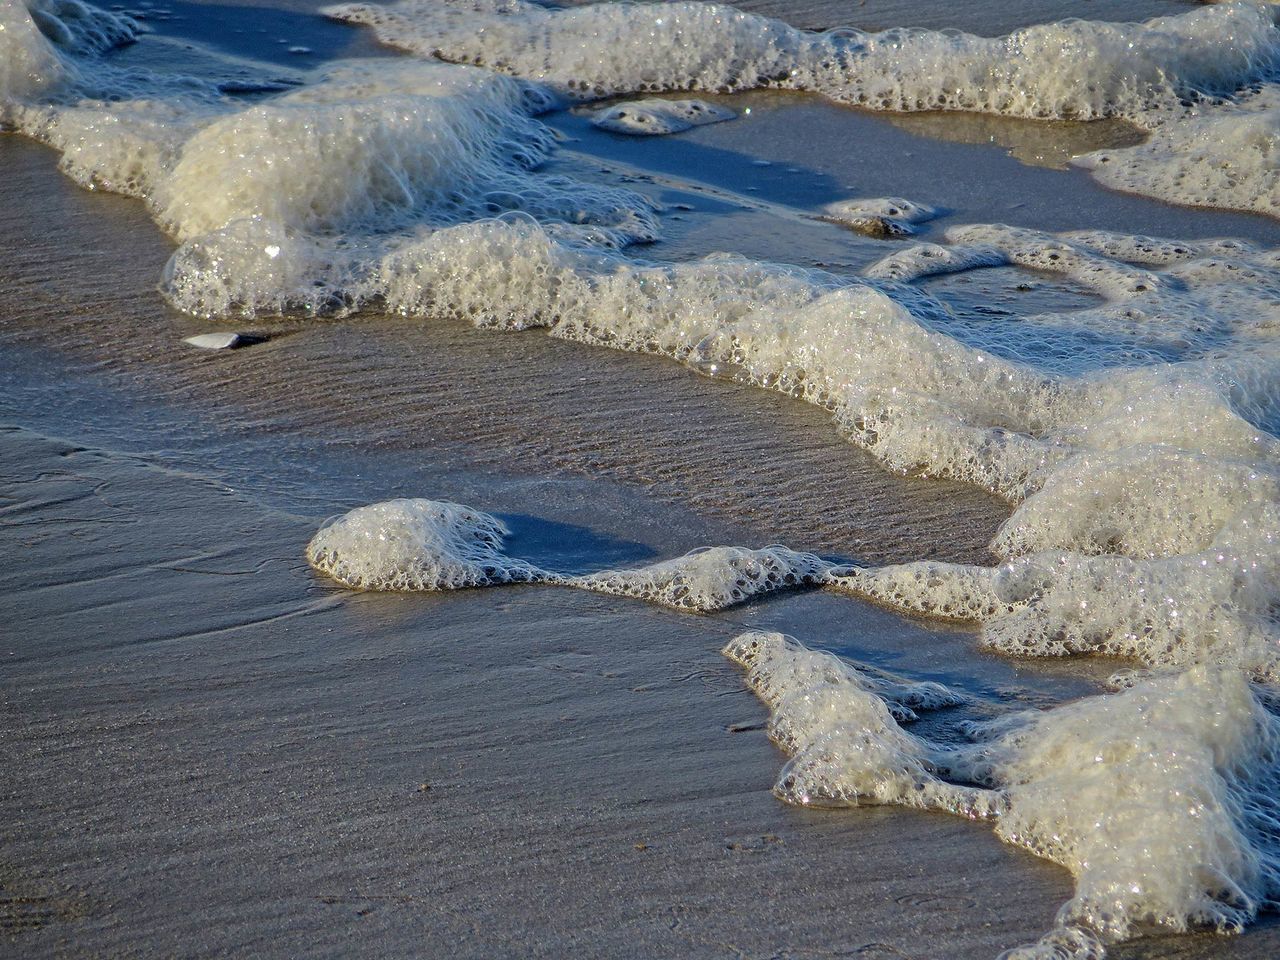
(223, 340)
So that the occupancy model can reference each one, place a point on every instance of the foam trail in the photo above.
(1180, 769)
(1144, 524)
(428, 545)
(711, 579)
(1035, 72)
(1161, 799)
(1196, 80)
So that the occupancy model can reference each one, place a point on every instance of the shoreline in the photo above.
(214, 751)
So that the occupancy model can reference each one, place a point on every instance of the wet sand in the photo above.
(210, 751)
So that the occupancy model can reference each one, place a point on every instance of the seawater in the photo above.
(1135, 438)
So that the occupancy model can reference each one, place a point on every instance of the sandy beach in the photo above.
(210, 750)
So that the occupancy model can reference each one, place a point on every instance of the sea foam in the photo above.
(34, 37)
(654, 116)
(1193, 79)
(416, 545)
(426, 545)
(291, 202)
(1160, 799)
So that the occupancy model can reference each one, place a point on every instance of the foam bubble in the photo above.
(295, 202)
(711, 579)
(653, 117)
(883, 217)
(839, 728)
(41, 42)
(416, 545)
(338, 156)
(1185, 785)
(79, 28)
(922, 260)
(29, 63)
(1226, 156)
(1038, 71)
(1215, 605)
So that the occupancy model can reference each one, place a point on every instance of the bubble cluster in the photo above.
(1182, 770)
(1039, 71)
(1145, 526)
(1140, 526)
(1161, 799)
(883, 217)
(31, 65)
(948, 591)
(294, 202)
(839, 727)
(1223, 156)
(653, 117)
(416, 545)
(711, 579)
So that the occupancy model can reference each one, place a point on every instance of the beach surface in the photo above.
(209, 750)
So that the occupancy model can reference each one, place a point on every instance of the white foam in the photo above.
(1182, 771)
(654, 117)
(290, 203)
(1222, 156)
(416, 545)
(839, 727)
(41, 42)
(29, 64)
(1161, 800)
(881, 217)
(1163, 467)
(711, 579)
(80, 28)
(359, 151)
(1161, 75)
(1145, 522)
(425, 545)
(1215, 605)
(1039, 71)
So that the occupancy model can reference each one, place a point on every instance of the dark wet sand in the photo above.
(209, 751)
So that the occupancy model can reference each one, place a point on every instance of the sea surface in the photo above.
(972, 311)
